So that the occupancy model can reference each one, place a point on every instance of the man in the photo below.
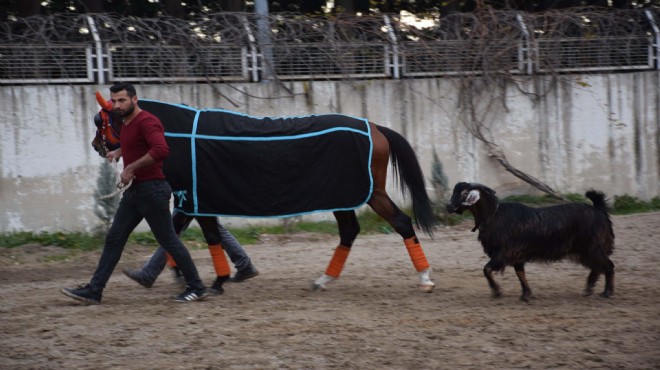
(108, 129)
(143, 148)
(218, 239)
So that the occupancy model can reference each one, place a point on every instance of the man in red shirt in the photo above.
(143, 147)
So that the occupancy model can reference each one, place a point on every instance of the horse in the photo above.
(386, 145)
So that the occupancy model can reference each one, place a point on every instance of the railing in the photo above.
(46, 64)
(597, 54)
(310, 60)
(175, 63)
(383, 48)
(457, 57)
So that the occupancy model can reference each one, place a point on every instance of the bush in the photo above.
(625, 204)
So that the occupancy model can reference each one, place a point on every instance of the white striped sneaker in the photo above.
(192, 294)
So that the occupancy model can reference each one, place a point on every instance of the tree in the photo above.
(94, 6)
(174, 8)
(27, 8)
(105, 208)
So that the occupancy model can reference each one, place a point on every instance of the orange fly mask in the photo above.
(108, 128)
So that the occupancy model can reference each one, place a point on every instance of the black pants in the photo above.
(149, 200)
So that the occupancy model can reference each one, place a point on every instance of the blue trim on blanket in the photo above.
(267, 138)
(194, 161)
(193, 136)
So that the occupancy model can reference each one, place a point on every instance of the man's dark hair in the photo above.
(119, 86)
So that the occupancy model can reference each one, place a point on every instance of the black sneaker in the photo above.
(137, 276)
(83, 294)
(245, 273)
(192, 294)
(217, 288)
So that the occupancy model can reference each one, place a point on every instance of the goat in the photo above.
(513, 234)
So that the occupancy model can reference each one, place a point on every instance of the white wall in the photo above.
(599, 131)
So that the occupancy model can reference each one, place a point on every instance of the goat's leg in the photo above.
(520, 272)
(591, 282)
(609, 280)
(488, 273)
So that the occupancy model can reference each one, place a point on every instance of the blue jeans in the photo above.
(149, 200)
(214, 233)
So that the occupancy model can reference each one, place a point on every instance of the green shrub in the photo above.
(71, 240)
(625, 204)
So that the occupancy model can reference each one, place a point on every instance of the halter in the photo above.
(107, 136)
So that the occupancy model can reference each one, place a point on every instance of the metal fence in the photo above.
(230, 47)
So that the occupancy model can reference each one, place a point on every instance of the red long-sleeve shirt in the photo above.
(144, 134)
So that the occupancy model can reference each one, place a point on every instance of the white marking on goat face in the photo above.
(472, 198)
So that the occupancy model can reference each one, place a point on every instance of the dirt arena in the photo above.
(372, 318)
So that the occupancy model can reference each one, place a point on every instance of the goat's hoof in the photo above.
(497, 294)
(525, 297)
(426, 288)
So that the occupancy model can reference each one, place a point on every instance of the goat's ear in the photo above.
(472, 198)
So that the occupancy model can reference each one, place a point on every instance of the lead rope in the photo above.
(121, 188)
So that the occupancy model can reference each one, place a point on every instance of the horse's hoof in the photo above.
(606, 294)
(587, 292)
(497, 294)
(426, 288)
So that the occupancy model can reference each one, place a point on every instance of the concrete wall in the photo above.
(598, 131)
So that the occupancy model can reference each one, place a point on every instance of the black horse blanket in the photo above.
(224, 163)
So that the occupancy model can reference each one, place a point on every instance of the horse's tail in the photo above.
(409, 174)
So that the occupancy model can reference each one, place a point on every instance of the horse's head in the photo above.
(108, 127)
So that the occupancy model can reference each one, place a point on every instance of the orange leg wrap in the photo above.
(416, 254)
(337, 262)
(219, 260)
(170, 260)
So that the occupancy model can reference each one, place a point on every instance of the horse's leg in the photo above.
(348, 231)
(381, 203)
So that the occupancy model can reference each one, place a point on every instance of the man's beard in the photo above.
(127, 112)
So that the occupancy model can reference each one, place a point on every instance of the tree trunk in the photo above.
(345, 6)
(174, 8)
(94, 6)
(28, 8)
(233, 5)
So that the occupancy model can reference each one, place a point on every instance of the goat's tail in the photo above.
(598, 199)
(409, 173)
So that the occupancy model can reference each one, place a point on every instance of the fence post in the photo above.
(253, 51)
(525, 52)
(656, 32)
(395, 47)
(263, 39)
(100, 69)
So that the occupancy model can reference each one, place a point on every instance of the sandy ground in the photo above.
(374, 317)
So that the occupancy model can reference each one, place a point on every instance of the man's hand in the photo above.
(127, 175)
(114, 155)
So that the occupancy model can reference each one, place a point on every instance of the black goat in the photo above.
(513, 234)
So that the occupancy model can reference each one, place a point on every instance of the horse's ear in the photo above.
(102, 102)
